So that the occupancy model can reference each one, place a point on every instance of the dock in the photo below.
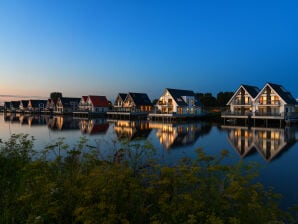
(252, 118)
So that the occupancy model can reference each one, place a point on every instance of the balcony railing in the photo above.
(269, 114)
(165, 104)
(229, 113)
(270, 103)
(239, 102)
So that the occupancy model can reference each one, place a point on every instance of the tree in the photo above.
(223, 98)
(55, 95)
(154, 101)
(207, 99)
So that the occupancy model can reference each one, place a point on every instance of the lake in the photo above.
(274, 148)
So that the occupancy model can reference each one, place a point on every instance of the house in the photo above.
(179, 102)
(134, 102)
(24, 105)
(119, 102)
(83, 103)
(67, 105)
(51, 105)
(6, 106)
(242, 102)
(36, 106)
(274, 100)
(14, 106)
(96, 104)
(137, 102)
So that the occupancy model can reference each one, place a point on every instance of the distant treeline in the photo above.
(208, 100)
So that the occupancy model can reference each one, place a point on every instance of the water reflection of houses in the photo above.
(62, 123)
(94, 126)
(36, 120)
(173, 135)
(132, 129)
(269, 142)
(31, 120)
(12, 118)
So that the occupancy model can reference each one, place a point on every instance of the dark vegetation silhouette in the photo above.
(62, 184)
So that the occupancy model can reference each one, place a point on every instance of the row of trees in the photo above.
(79, 186)
(208, 100)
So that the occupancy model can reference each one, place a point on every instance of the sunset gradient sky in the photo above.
(106, 47)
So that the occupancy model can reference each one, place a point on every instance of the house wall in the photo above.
(166, 103)
(118, 102)
(99, 109)
(67, 109)
(83, 104)
(269, 102)
(242, 103)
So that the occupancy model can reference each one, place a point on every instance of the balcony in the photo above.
(269, 115)
(229, 114)
(242, 103)
(270, 103)
(161, 103)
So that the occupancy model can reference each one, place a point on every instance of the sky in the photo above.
(105, 47)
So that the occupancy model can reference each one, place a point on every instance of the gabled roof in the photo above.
(66, 101)
(253, 91)
(122, 96)
(283, 93)
(15, 104)
(99, 101)
(54, 101)
(6, 104)
(177, 95)
(85, 98)
(25, 103)
(140, 99)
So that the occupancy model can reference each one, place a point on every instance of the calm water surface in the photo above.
(274, 148)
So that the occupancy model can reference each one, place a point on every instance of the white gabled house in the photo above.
(119, 102)
(51, 105)
(67, 105)
(83, 103)
(36, 105)
(24, 105)
(274, 100)
(242, 102)
(271, 102)
(179, 102)
(133, 102)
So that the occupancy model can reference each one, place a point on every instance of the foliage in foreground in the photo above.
(80, 188)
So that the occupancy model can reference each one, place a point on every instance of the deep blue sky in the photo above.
(105, 47)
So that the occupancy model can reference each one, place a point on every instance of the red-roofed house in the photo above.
(97, 104)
